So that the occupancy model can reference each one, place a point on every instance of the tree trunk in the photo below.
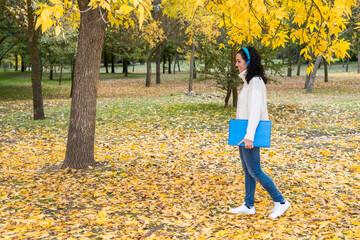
(16, 62)
(60, 78)
(35, 64)
(313, 74)
(133, 65)
(289, 72)
(178, 62)
(175, 58)
(228, 95)
(113, 63)
(169, 69)
(307, 79)
(347, 64)
(72, 76)
(192, 68)
(233, 75)
(126, 67)
(298, 65)
(51, 77)
(158, 65)
(80, 144)
(23, 67)
(164, 64)
(326, 74)
(106, 64)
(148, 67)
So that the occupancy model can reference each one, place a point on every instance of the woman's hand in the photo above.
(248, 144)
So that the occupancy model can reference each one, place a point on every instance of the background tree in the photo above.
(23, 13)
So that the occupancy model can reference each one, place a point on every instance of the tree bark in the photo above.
(192, 68)
(51, 77)
(80, 144)
(125, 67)
(289, 72)
(72, 76)
(106, 64)
(158, 65)
(169, 69)
(148, 62)
(16, 62)
(112, 63)
(233, 75)
(148, 67)
(35, 64)
(298, 65)
(228, 95)
(60, 78)
(175, 59)
(164, 64)
(313, 74)
(23, 67)
(347, 64)
(326, 74)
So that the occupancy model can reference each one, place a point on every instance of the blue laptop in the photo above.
(237, 132)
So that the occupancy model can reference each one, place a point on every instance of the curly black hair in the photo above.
(254, 68)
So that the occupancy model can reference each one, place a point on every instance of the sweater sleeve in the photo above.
(254, 108)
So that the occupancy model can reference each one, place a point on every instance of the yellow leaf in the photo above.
(57, 30)
(222, 232)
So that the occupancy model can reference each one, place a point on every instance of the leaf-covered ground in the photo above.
(169, 174)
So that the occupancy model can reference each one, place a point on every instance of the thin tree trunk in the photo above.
(307, 79)
(60, 78)
(72, 76)
(106, 64)
(228, 95)
(298, 65)
(148, 67)
(289, 72)
(175, 58)
(113, 63)
(35, 64)
(158, 66)
(80, 144)
(326, 74)
(23, 67)
(178, 62)
(51, 77)
(164, 64)
(313, 74)
(169, 69)
(125, 66)
(133, 65)
(16, 62)
(192, 68)
(233, 75)
(347, 64)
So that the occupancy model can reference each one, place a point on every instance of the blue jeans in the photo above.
(250, 160)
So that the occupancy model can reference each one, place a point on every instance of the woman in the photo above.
(252, 106)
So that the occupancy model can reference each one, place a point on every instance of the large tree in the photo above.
(93, 18)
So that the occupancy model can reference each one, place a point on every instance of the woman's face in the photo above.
(240, 63)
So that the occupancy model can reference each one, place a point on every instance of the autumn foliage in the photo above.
(167, 172)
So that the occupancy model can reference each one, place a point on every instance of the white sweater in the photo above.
(252, 104)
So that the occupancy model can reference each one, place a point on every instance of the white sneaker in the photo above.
(243, 209)
(279, 209)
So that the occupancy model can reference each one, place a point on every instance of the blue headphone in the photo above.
(247, 54)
